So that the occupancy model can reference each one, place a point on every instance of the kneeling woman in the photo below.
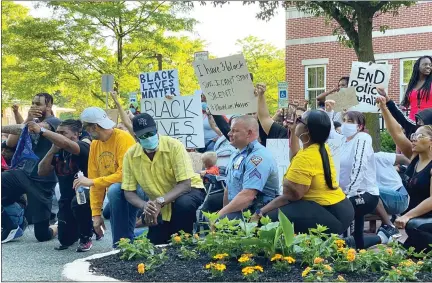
(311, 194)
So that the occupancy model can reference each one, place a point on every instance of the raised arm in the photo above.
(263, 112)
(213, 125)
(222, 125)
(18, 118)
(327, 93)
(124, 117)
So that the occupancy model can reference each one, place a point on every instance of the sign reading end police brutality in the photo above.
(366, 78)
(159, 84)
(227, 85)
(179, 117)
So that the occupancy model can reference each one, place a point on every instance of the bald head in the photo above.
(249, 122)
(244, 130)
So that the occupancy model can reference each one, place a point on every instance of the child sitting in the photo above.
(209, 160)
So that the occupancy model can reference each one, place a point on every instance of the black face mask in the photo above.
(425, 116)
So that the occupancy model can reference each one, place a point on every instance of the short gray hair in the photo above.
(249, 121)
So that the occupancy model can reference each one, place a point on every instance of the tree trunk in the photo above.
(365, 53)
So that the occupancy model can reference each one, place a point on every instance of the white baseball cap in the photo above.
(96, 115)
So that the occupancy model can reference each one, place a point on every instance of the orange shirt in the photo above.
(213, 171)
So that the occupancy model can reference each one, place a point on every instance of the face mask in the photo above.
(204, 106)
(132, 110)
(150, 143)
(349, 130)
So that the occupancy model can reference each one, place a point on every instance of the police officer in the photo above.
(252, 178)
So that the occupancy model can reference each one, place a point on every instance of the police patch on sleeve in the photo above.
(256, 160)
(255, 173)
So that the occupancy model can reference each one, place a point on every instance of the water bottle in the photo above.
(80, 195)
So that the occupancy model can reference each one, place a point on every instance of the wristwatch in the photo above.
(42, 131)
(161, 201)
(258, 212)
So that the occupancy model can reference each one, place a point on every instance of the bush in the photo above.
(387, 143)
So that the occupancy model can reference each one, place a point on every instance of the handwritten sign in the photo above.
(345, 99)
(227, 85)
(180, 118)
(366, 78)
(113, 114)
(283, 94)
(335, 145)
(159, 84)
(201, 56)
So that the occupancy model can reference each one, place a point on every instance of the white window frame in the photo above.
(306, 79)
(401, 83)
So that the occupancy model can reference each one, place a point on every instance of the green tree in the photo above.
(266, 63)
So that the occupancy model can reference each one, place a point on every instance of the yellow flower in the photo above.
(362, 251)
(407, 263)
(248, 255)
(123, 239)
(276, 257)
(420, 262)
(248, 270)
(340, 243)
(306, 271)
(177, 239)
(196, 236)
(389, 251)
(340, 278)
(187, 235)
(328, 267)
(220, 266)
(398, 272)
(351, 255)
(318, 260)
(320, 274)
(341, 250)
(220, 256)
(141, 268)
(243, 259)
(259, 268)
(208, 265)
(289, 259)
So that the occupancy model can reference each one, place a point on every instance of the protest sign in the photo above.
(201, 56)
(159, 84)
(133, 97)
(335, 145)
(197, 163)
(107, 83)
(345, 98)
(179, 117)
(283, 94)
(227, 85)
(366, 78)
(113, 114)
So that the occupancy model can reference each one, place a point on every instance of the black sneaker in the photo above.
(385, 236)
(391, 231)
(350, 242)
(84, 245)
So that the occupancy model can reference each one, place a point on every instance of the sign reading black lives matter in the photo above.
(180, 117)
(366, 78)
(227, 85)
(159, 84)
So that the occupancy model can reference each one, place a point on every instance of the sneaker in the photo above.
(350, 242)
(83, 247)
(392, 231)
(386, 237)
(11, 235)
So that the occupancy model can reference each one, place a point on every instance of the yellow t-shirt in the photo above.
(307, 169)
(171, 164)
(105, 165)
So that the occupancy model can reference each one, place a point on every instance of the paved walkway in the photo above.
(28, 260)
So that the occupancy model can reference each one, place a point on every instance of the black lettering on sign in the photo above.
(189, 142)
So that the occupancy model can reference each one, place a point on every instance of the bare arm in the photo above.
(241, 201)
(327, 93)
(225, 198)
(133, 198)
(294, 143)
(263, 112)
(12, 129)
(213, 125)
(124, 117)
(402, 160)
(18, 118)
(45, 167)
(179, 189)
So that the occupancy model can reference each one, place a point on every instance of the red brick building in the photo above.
(315, 60)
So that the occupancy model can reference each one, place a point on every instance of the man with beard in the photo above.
(24, 179)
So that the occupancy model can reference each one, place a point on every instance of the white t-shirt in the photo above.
(357, 166)
(386, 175)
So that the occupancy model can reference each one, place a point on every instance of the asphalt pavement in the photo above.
(26, 259)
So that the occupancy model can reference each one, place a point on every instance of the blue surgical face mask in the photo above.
(150, 143)
(132, 110)
(204, 106)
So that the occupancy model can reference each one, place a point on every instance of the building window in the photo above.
(315, 83)
(384, 62)
(406, 67)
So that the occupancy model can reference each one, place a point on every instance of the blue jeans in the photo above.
(15, 213)
(123, 214)
(395, 201)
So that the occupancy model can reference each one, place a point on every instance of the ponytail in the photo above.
(326, 166)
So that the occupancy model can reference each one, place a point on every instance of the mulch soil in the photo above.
(176, 269)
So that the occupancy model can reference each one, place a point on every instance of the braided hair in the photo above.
(415, 76)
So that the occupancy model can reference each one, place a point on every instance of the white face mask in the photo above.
(349, 130)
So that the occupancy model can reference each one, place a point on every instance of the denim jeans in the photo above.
(395, 201)
(15, 213)
(123, 214)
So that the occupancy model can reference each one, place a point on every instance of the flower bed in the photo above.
(238, 250)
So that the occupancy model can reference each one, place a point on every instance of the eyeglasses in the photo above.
(147, 135)
(416, 137)
(299, 120)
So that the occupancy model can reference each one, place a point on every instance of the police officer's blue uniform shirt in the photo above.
(253, 168)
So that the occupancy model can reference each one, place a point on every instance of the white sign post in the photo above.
(107, 86)
(201, 56)
(179, 117)
(366, 78)
(159, 84)
(227, 85)
(282, 95)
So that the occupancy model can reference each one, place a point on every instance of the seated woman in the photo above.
(311, 194)
(417, 220)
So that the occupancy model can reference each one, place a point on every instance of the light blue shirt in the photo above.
(253, 168)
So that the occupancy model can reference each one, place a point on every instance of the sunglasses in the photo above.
(147, 135)
(299, 120)
(416, 137)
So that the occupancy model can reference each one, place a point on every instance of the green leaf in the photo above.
(288, 229)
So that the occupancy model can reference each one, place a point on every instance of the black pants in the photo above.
(15, 183)
(74, 220)
(306, 214)
(183, 217)
(419, 231)
(363, 204)
(213, 203)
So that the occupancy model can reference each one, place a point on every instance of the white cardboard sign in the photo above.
(179, 117)
(227, 85)
(159, 84)
(366, 78)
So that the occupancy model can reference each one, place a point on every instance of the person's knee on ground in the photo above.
(43, 232)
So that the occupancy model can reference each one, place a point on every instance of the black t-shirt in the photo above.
(418, 186)
(41, 146)
(277, 131)
(66, 166)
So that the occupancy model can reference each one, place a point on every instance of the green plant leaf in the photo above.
(288, 229)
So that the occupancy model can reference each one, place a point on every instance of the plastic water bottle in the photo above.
(80, 195)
